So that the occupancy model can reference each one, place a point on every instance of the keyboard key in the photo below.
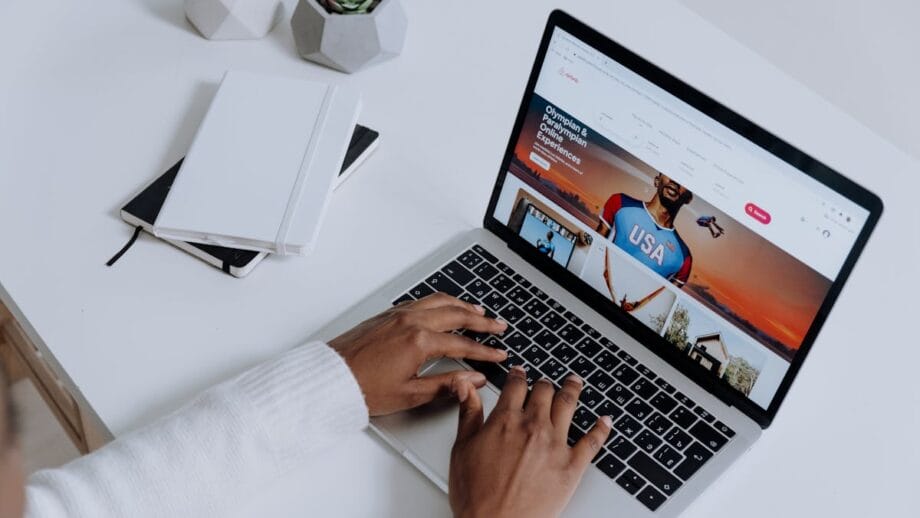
(644, 388)
(511, 314)
(528, 326)
(494, 342)
(608, 408)
(538, 293)
(590, 331)
(668, 456)
(654, 473)
(651, 498)
(626, 357)
(502, 283)
(555, 306)
(553, 369)
(658, 423)
(475, 335)
(683, 417)
(606, 360)
(627, 426)
(620, 446)
(678, 438)
(582, 366)
(620, 394)
(663, 402)
(584, 418)
(704, 415)
(486, 271)
(519, 295)
(457, 273)
(478, 288)
(684, 400)
(504, 268)
(548, 340)
(564, 353)
(469, 259)
(625, 374)
(494, 301)
(571, 334)
(610, 465)
(469, 299)
(696, 456)
(645, 371)
(535, 355)
(601, 381)
(588, 347)
(647, 441)
(512, 360)
(638, 409)
(517, 341)
(630, 481)
(485, 255)
(575, 434)
(421, 291)
(404, 298)
(552, 320)
(724, 429)
(665, 386)
(708, 436)
(573, 318)
(440, 282)
(590, 397)
(536, 308)
(609, 345)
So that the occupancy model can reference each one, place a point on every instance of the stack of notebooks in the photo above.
(259, 174)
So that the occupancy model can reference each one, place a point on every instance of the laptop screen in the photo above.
(712, 242)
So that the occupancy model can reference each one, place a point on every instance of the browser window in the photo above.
(715, 244)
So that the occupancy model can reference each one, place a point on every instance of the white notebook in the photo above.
(261, 169)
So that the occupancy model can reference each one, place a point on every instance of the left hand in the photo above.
(386, 352)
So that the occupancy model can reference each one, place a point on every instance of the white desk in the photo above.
(99, 97)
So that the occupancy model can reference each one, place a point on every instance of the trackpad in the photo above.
(426, 435)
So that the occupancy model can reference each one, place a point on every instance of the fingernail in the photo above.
(575, 378)
(607, 421)
(481, 310)
(477, 377)
(544, 379)
(519, 368)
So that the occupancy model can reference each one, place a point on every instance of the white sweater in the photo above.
(227, 443)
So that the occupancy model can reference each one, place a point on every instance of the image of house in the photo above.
(710, 352)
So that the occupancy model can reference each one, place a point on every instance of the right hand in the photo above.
(518, 463)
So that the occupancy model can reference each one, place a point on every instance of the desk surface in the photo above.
(99, 97)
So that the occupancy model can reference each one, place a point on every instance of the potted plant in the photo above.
(349, 35)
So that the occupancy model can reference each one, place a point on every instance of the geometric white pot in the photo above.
(349, 42)
(233, 19)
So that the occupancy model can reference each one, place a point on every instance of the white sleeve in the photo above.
(228, 442)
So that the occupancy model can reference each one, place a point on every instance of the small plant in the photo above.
(349, 6)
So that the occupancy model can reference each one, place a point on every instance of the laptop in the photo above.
(676, 256)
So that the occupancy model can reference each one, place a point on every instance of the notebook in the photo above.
(143, 209)
(261, 167)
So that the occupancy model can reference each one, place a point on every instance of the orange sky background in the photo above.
(745, 272)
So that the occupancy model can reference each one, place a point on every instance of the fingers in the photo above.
(586, 448)
(514, 392)
(428, 388)
(440, 300)
(458, 347)
(541, 399)
(470, 420)
(448, 318)
(565, 402)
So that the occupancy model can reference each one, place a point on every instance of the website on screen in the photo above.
(718, 246)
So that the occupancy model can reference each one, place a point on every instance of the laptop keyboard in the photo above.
(660, 437)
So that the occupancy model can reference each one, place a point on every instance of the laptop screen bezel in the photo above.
(748, 130)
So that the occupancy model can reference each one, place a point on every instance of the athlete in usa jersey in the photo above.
(645, 230)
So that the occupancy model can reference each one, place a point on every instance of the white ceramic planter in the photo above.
(234, 19)
(349, 42)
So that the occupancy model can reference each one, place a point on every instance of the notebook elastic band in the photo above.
(117, 256)
(306, 162)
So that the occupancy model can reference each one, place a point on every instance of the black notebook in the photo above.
(142, 211)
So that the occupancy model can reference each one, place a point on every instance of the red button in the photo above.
(757, 213)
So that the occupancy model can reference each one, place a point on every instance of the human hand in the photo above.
(518, 463)
(386, 352)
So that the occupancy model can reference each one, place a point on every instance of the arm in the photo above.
(605, 221)
(225, 443)
(238, 436)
